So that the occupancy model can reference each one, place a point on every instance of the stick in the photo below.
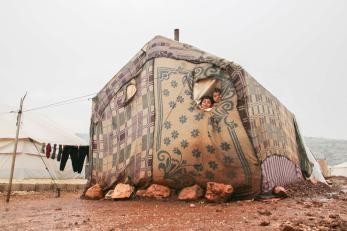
(19, 117)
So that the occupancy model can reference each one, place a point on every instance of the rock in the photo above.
(191, 193)
(217, 192)
(343, 217)
(317, 203)
(299, 221)
(334, 216)
(328, 220)
(108, 195)
(122, 191)
(279, 190)
(157, 191)
(313, 181)
(94, 193)
(264, 212)
(264, 223)
(141, 193)
(192, 205)
(288, 227)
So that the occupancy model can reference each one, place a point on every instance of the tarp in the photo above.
(188, 145)
(196, 146)
(124, 138)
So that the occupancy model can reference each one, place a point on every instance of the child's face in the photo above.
(206, 103)
(216, 96)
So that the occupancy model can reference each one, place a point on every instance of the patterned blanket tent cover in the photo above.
(156, 133)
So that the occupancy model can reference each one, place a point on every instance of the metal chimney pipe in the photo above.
(177, 35)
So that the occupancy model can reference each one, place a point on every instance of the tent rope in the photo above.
(52, 178)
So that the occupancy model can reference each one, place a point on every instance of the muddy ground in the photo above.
(305, 209)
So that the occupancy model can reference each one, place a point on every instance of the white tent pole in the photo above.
(19, 117)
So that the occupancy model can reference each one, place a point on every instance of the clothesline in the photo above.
(62, 153)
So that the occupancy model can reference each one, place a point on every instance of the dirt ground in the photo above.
(323, 209)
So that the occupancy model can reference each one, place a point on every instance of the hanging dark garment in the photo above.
(83, 151)
(54, 151)
(71, 151)
(48, 150)
(60, 151)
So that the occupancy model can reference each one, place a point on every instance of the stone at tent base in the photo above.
(191, 193)
(156, 191)
(279, 190)
(141, 193)
(217, 192)
(108, 195)
(94, 193)
(122, 191)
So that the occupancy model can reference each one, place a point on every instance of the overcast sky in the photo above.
(58, 50)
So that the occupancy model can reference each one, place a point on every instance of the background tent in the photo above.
(339, 170)
(158, 133)
(35, 129)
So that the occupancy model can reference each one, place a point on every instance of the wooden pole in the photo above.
(177, 35)
(19, 117)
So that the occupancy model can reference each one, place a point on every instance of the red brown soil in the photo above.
(326, 210)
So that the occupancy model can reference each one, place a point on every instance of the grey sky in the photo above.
(57, 50)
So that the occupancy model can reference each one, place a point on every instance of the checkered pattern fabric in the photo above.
(123, 139)
(268, 122)
(270, 125)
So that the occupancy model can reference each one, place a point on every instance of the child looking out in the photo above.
(206, 103)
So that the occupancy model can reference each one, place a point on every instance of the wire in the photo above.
(56, 104)
(60, 103)
(7, 112)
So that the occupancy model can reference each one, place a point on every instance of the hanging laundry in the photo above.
(54, 151)
(83, 151)
(43, 147)
(48, 150)
(71, 151)
(60, 151)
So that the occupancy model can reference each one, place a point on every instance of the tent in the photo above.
(147, 126)
(339, 170)
(30, 163)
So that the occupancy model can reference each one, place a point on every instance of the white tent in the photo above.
(339, 170)
(35, 130)
(316, 170)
